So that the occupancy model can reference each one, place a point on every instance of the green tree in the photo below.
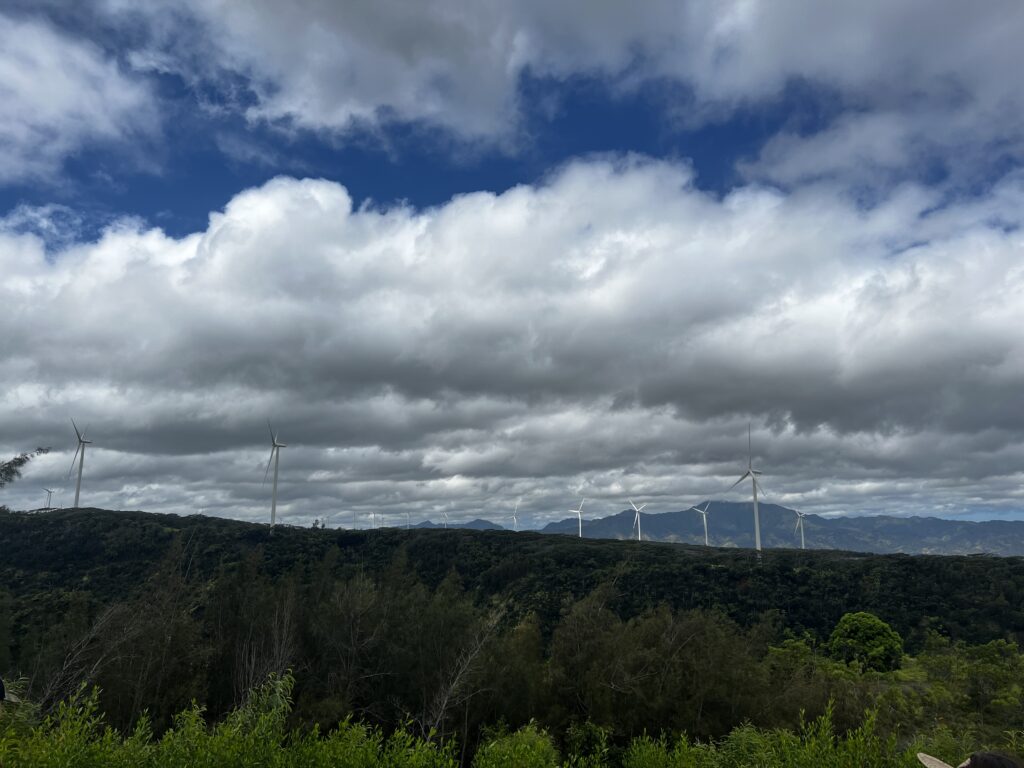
(10, 470)
(867, 640)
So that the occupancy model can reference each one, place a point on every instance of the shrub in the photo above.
(529, 747)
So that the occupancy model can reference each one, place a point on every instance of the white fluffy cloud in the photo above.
(905, 81)
(608, 332)
(59, 94)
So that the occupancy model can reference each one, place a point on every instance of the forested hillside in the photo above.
(456, 631)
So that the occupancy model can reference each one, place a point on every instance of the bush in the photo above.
(529, 747)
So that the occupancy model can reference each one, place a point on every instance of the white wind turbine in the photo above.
(408, 520)
(753, 474)
(49, 496)
(579, 516)
(800, 525)
(704, 514)
(80, 455)
(275, 457)
(515, 516)
(446, 519)
(636, 520)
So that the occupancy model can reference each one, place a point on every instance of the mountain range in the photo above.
(731, 524)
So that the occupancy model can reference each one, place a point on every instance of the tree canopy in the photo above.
(865, 639)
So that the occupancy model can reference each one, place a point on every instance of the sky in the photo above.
(463, 254)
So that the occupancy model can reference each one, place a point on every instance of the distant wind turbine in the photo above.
(753, 474)
(579, 516)
(49, 496)
(636, 520)
(275, 456)
(515, 516)
(408, 520)
(800, 525)
(446, 519)
(704, 514)
(80, 455)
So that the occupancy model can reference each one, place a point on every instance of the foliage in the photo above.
(10, 470)
(437, 636)
(256, 734)
(529, 747)
(865, 639)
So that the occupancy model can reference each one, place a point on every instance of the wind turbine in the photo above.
(446, 519)
(753, 474)
(80, 455)
(275, 456)
(636, 520)
(49, 496)
(800, 524)
(579, 516)
(408, 520)
(704, 514)
(515, 516)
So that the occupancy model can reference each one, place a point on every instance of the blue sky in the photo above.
(467, 252)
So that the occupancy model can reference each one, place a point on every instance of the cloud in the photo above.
(58, 95)
(903, 85)
(608, 332)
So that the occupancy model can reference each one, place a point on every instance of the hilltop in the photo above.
(107, 555)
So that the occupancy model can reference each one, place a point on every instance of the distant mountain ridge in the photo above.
(473, 525)
(731, 524)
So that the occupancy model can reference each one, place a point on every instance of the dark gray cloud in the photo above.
(608, 333)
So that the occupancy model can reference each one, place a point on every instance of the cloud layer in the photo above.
(607, 333)
(59, 95)
(898, 85)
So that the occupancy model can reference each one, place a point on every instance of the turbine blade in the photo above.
(745, 476)
(640, 507)
(760, 488)
(77, 433)
(74, 458)
(268, 466)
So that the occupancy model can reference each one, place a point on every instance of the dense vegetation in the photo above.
(465, 638)
(257, 733)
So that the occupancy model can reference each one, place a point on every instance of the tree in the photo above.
(11, 470)
(867, 640)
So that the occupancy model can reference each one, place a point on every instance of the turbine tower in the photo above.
(753, 474)
(408, 520)
(515, 516)
(579, 516)
(800, 525)
(80, 455)
(636, 520)
(704, 514)
(275, 457)
(49, 496)
(446, 519)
